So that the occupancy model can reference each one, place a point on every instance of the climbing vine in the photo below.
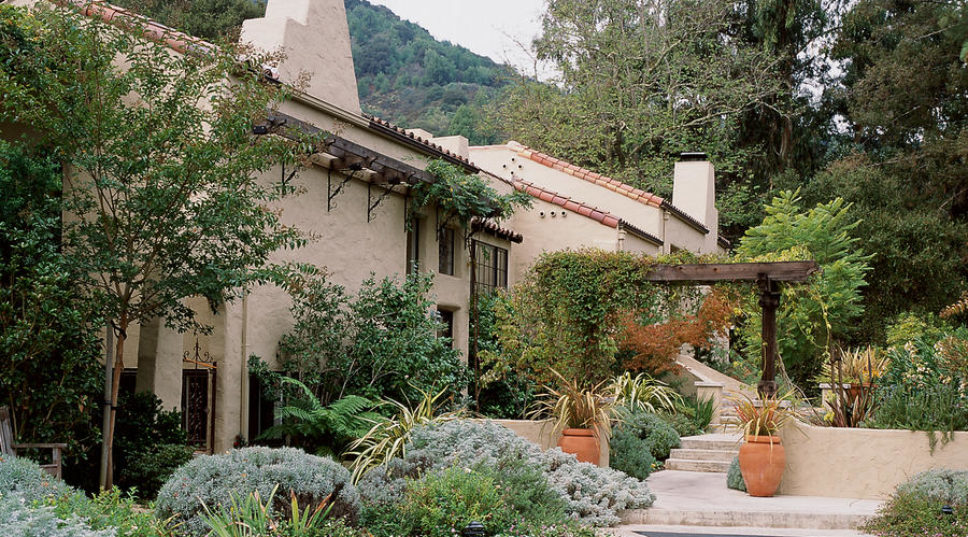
(460, 197)
(576, 312)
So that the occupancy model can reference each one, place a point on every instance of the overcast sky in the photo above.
(492, 28)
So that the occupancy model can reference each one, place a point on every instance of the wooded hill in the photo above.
(404, 75)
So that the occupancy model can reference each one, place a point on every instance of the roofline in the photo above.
(690, 221)
(640, 233)
(493, 229)
(724, 243)
(593, 213)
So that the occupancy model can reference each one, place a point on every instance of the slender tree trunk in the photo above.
(115, 385)
(108, 382)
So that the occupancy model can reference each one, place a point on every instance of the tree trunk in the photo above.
(115, 385)
(108, 383)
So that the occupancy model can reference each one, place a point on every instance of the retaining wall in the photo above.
(861, 463)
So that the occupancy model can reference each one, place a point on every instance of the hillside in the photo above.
(405, 75)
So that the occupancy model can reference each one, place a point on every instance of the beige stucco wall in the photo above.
(542, 434)
(550, 233)
(505, 163)
(861, 463)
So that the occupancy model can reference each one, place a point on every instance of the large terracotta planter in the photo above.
(761, 461)
(581, 443)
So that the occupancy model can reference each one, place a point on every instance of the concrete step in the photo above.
(723, 428)
(721, 442)
(688, 465)
(729, 518)
(703, 454)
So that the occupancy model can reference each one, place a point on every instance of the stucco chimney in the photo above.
(315, 37)
(694, 188)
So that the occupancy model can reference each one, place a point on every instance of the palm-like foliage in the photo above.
(763, 417)
(332, 426)
(575, 406)
(388, 437)
(643, 392)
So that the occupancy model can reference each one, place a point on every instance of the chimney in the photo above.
(455, 144)
(314, 36)
(694, 191)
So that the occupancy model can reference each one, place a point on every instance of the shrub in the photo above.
(734, 477)
(150, 469)
(18, 518)
(21, 477)
(660, 436)
(110, 510)
(592, 494)
(630, 454)
(213, 480)
(683, 424)
(915, 508)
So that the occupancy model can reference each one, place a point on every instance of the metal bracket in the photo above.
(332, 193)
(371, 203)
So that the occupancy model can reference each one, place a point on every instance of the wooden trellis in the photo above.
(767, 277)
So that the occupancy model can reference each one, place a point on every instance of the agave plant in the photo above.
(388, 437)
(576, 406)
(762, 417)
(643, 392)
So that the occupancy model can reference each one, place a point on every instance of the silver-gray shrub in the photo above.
(942, 485)
(594, 495)
(18, 518)
(213, 479)
(22, 477)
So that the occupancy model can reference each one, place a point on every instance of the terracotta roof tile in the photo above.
(492, 228)
(604, 218)
(430, 145)
(588, 175)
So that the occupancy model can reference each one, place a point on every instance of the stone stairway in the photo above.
(706, 453)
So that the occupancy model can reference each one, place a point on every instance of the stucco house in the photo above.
(355, 203)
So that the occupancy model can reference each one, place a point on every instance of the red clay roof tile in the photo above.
(588, 175)
(601, 217)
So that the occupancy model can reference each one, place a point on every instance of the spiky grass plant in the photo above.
(859, 365)
(643, 392)
(388, 438)
(761, 417)
(573, 405)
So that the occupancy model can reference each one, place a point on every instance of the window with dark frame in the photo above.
(447, 320)
(413, 247)
(491, 267)
(446, 250)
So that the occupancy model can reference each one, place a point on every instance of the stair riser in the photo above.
(697, 466)
(716, 445)
(662, 517)
(703, 455)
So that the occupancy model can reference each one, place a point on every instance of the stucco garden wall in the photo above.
(861, 463)
(542, 433)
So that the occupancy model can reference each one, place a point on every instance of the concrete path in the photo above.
(733, 531)
(702, 499)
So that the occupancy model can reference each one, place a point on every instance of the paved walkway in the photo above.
(693, 501)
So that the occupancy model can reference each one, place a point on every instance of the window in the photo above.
(413, 247)
(447, 320)
(490, 268)
(262, 409)
(446, 239)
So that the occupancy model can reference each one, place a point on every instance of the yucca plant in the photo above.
(576, 406)
(642, 392)
(331, 426)
(761, 417)
(251, 517)
(388, 437)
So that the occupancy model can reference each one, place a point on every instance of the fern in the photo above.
(331, 427)
(959, 307)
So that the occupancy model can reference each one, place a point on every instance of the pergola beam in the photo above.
(767, 277)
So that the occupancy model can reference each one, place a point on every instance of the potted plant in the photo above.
(581, 414)
(762, 456)
(855, 370)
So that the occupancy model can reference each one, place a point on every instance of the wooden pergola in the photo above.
(767, 277)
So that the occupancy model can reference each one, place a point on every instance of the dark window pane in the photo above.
(447, 252)
(413, 246)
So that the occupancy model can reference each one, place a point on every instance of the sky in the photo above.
(493, 28)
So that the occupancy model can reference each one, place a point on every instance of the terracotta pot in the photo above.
(858, 391)
(761, 461)
(581, 443)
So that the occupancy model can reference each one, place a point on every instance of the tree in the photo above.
(811, 316)
(640, 83)
(49, 374)
(161, 187)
